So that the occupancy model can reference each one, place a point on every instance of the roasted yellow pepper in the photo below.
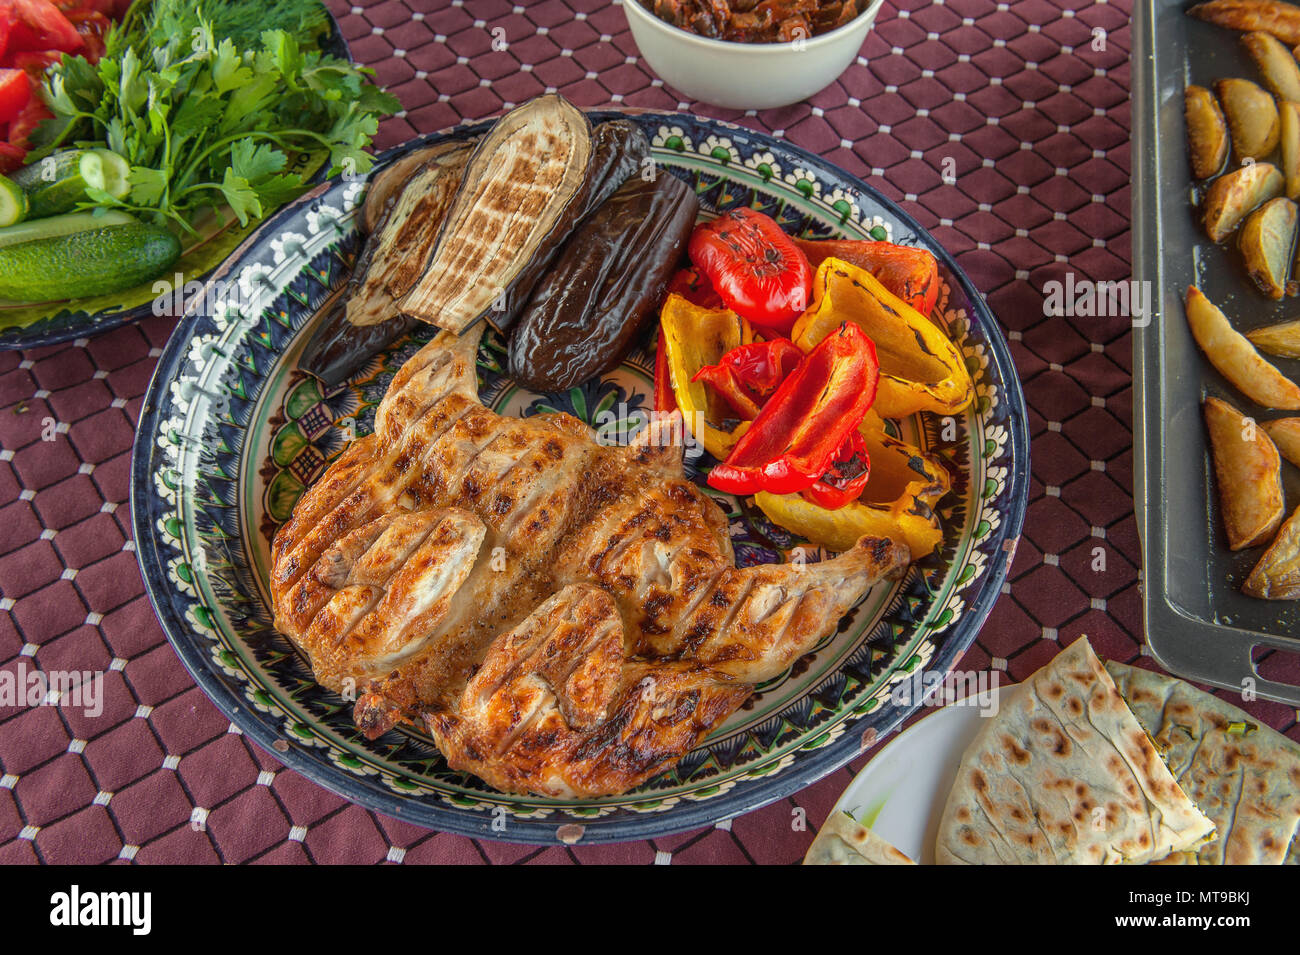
(898, 501)
(920, 369)
(695, 337)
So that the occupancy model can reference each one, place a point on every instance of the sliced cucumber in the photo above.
(13, 202)
(56, 184)
(94, 262)
(53, 226)
(106, 170)
(51, 169)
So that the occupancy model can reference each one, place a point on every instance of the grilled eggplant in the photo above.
(394, 255)
(424, 182)
(588, 310)
(338, 349)
(525, 188)
(389, 182)
(365, 320)
(621, 152)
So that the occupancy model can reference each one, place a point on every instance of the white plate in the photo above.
(901, 793)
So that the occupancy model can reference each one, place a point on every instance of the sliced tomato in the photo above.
(6, 27)
(11, 157)
(27, 121)
(15, 94)
(34, 62)
(92, 25)
(39, 25)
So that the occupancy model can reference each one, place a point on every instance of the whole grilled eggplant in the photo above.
(588, 310)
(622, 152)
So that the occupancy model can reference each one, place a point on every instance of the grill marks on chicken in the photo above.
(565, 618)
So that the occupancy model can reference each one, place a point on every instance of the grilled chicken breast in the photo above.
(566, 618)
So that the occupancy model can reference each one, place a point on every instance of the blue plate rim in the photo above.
(812, 766)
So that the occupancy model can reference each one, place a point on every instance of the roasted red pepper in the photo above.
(695, 288)
(796, 437)
(846, 478)
(665, 399)
(747, 376)
(910, 273)
(756, 268)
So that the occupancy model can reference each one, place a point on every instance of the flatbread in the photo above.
(1064, 774)
(1244, 776)
(844, 841)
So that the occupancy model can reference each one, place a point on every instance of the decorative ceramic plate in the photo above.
(232, 432)
(900, 795)
(49, 323)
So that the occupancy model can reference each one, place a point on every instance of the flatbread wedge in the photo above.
(842, 840)
(1244, 776)
(1064, 774)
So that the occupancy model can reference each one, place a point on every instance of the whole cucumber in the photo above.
(79, 264)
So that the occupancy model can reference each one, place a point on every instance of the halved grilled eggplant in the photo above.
(364, 320)
(587, 311)
(525, 189)
(394, 255)
(388, 183)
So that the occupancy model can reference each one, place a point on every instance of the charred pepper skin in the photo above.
(756, 268)
(846, 478)
(797, 435)
(748, 375)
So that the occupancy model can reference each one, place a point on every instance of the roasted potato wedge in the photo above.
(1285, 433)
(1277, 575)
(1252, 117)
(1289, 141)
(1279, 67)
(1248, 472)
(1233, 195)
(1236, 358)
(1282, 339)
(1266, 241)
(1280, 19)
(1207, 132)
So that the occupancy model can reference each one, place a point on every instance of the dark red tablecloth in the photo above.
(1031, 101)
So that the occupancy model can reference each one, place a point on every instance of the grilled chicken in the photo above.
(565, 618)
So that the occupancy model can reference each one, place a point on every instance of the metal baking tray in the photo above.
(1198, 623)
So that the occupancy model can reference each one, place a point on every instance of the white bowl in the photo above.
(746, 75)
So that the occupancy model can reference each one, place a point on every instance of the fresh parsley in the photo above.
(208, 112)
